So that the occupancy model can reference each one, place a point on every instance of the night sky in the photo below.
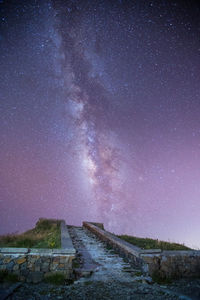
(100, 115)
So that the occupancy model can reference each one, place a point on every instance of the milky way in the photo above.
(89, 107)
(100, 115)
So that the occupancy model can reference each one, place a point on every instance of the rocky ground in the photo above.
(105, 276)
(91, 290)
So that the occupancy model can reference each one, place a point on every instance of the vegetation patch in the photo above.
(58, 279)
(138, 273)
(44, 292)
(75, 264)
(109, 247)
(147, 243)
(161, 280)
(46, 234)
(5, 276)
(88, 282)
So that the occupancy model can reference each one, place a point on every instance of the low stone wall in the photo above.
(33, 265)
(173, 264)
(153, 262)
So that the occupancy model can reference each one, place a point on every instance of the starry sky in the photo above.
(100, 115)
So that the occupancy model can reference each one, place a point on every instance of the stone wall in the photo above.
(173, 264)
(153, 262)
(33, 265)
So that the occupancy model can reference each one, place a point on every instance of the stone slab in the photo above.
(40, 251)
(64, 251)
(150, 251)
(66, 242)
(14, 250)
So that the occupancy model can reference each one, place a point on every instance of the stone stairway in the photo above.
(95, 259)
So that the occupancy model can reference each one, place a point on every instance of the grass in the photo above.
(46, 234)
(57, 279)
(147, 243)
(138, 273)
(75, 264)
(8, 277)
(88, 282)
(161, 280)
(109, 247)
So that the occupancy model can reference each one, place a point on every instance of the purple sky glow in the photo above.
(100, 115)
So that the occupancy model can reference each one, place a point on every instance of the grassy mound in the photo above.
(147, 243)
(46, 234)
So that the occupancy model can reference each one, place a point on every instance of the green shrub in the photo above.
(75, 264)
(138, 273)
(56, 278)
(161, 280)
(88, 283)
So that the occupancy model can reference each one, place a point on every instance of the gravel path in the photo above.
(96, 290)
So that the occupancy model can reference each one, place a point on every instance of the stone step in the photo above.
(129, 270)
